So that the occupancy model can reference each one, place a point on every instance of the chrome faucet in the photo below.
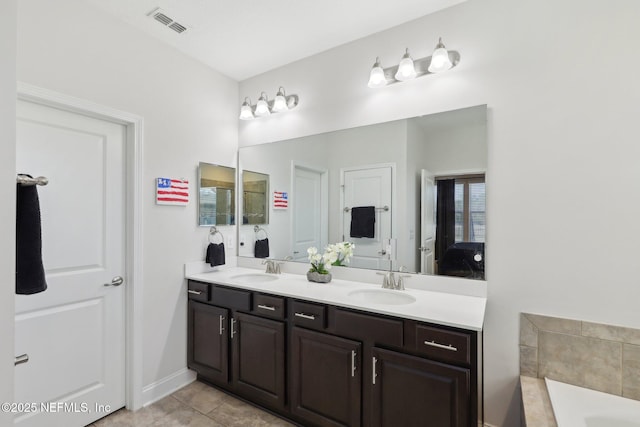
(390, 281)
(273, 266)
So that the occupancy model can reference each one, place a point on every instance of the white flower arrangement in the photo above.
(343, 251)
(335, 254)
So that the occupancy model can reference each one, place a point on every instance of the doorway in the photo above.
(81, 256)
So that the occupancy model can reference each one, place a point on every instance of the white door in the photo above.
(369, 186)
(308, 205)
(427, 223)
(74, 331)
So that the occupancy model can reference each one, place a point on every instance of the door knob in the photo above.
(116, 281)
(382, 252)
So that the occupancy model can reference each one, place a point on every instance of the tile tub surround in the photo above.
(536, 405)
(592, 355)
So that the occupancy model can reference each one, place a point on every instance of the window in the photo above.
(470, 209)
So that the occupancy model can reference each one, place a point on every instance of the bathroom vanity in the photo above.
(338, 354)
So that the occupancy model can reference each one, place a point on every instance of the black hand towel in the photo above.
(215, 254)
(29, 269)
(363, 221)
(261, 249)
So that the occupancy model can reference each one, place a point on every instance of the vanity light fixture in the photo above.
(246, 112)
(264, 107)
(280, 102)
(408, 69)
(376, 77)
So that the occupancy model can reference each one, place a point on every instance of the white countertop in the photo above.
(461, 311)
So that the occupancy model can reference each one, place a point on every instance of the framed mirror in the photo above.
(216, 195)
(409, 194)
(255, 197)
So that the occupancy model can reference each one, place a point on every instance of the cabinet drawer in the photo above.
(441, 344)
(198, 291)
(231, 298)
(366, 327)
(308, 315)
(269, 306)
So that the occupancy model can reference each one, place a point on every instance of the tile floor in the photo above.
(196, 405)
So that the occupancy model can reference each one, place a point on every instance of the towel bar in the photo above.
(27, 180)
(384, 208)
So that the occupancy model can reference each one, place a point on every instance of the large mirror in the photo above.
(409, 194)
(216, 195)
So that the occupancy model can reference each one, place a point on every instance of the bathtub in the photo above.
(580, 407)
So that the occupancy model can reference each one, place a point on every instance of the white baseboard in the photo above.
(167, 385)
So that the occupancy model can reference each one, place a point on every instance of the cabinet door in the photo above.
(325, 378)
(411, 391)
(259, 359)
(207, 342)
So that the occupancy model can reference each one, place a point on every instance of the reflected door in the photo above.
(427, 222)
(74, 331)
(309, 212)
(369, 186)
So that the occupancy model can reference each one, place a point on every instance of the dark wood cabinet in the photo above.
(259, 359)
(325, 378)
(411, 391)
(207, 342)
(324, 365)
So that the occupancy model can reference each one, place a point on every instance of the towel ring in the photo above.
(212, 232)
(257, 229)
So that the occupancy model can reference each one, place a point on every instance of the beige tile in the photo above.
(235, 413)
(200, 397)
(126, 418)
(535, 403)
(583, 361)
(555, 324)
(528, 332)
(611, 333)
(631, 371)
(528, 361)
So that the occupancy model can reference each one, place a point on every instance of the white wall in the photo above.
(7, 193)
(70, 47)
(561, 85)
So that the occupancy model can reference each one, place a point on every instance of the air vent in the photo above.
(177, 27)
(162, 17)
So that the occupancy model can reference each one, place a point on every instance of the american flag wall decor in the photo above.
(280, 200)
(172, 191)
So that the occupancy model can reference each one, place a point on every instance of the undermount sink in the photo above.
(381, 296)
(254, 277)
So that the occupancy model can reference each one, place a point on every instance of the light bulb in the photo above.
(406, 70)
(280, 102)
(440, 59)
(376, 77)
(262, 107)
(246, 113)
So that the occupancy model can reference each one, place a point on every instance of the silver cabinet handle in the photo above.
(116, 281)
(353, 363)
(23, 358)
(221, 324)
(442, 346)
(374, 374)
(233, 324)
(305, 316)
(267, 307)
(191, 291)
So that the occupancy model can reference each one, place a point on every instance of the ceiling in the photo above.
(244, 38)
